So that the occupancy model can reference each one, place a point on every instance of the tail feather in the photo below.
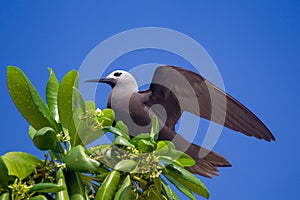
(207, 162)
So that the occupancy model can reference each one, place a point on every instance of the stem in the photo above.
(140, 180)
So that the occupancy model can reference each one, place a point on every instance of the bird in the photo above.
(175, 90)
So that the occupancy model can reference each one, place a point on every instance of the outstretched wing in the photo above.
(179, 90)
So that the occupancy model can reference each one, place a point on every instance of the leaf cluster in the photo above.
(137, 167)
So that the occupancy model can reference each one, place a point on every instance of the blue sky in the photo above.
(255, 45)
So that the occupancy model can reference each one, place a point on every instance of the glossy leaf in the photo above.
(65, 98)
(46, 188)
(31, 131)
(143, 136)
(5, 196)
(38, 197)
(122, 141)
(145, 146)
(143, 142)
(157, 186)
(60, 180)
(168, 160)
(102, 151)
(124, 193)
(153, 194)
(65, 105)
(101, 177)
(51, 94)
(168, 192)
(166, 152)
(163, 148)
(87, 124)
(78, 99)
(116, 131)
(154, 129)
(184, 159)
(108, 117)
(90, 105)
(187, 179)
(28, 101)
(20, 164)
(105, 154)
(109, 186)
(77, 160)
(121, 126)
(125, 165)
(76, 189)
(183, 188)
(45, 139)
(3, 174)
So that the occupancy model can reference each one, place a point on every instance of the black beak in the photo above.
(110, 81)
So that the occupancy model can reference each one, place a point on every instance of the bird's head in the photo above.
(118, 79)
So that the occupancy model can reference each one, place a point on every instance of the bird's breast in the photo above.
(132, 111)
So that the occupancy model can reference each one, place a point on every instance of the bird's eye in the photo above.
(117, 74)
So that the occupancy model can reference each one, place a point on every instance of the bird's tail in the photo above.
(207, 162)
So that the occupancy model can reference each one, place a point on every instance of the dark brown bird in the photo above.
(172, 91)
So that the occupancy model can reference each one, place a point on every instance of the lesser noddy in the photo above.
(172, 91)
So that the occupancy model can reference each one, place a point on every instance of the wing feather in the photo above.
(178, 90)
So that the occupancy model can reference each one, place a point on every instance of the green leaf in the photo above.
(184, 159)
(143, 142)
(168, 192)
(153, 194)
(167, 143)
(87, 124)
(181, 187)
(3, 174)
(154, 129)
(145, 146)
(38, 197)
(125, 165)
(60, 180)
(75, 187)
(78, 161)
(163, 148)
(90, 106)
(168, 160)
(20, 164)
(143, 136)
(31, 132)
(187, 179)
(45, 139)
(65, 103)
(157, 186)
(124, 193)
(106, 154)
(166, 151)
(46, 187)
(108, 117)
(100, 150)
(123, 128)
(78, 98)
(122, 141)
(5, 196)
(101, 177)
(116, 131)
(109, 186)
(65, 98)
(28, 101)
(51, 94)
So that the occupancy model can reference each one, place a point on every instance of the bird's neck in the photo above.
(126, 89)
(120, 95)
(119, 98)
